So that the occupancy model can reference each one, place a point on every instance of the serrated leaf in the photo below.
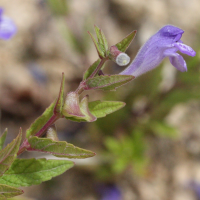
(59, 102)
(99, 51)
(91, 69)
(41, 121)
(9, 153)
(27, 172)
(103, 108)
(124, 44)
(107, 82)
(2, 138)
(58, 149)
(8, 191)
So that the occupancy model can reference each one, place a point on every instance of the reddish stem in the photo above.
(80, 88)
(103, 60)
(25, 143)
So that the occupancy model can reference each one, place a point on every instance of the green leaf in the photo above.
(41, 121)
(124, 44)
(27, 172)
(91, 69)
(9, 153)
(103, 108)
(8, 191)
(2, 138)
(102, 42)
(107, 82)
(99, 51)
(58, 149)
(163, 130)
(59, 103)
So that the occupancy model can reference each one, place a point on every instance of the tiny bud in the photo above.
(119, 57)
(122, 59)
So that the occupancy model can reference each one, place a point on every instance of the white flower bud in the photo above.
(122, 59)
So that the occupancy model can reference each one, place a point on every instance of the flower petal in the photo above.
(185, 49)
(178, 37)
(178, 62)
(7, 28)
(1, 12)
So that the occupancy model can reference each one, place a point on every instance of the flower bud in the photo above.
(119, 57)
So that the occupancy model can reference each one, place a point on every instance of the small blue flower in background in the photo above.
(7, 27)
(110, 192)
(165, 43)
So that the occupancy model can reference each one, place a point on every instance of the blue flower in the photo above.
(110, 192)
(165, 43)
(7, 27)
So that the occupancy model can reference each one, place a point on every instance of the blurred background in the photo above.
(150, 149)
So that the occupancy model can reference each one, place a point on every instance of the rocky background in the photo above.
(52, 38)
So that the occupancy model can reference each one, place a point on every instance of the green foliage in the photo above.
(99, 50)
(91, 69)
(162, 129)
(129, 150)
(27, 172)
(58, 149)
(59, 103)
(102, 42)
(9, 153)
(58, 7)
(8, 191)
(108, 82)
(2, 138)
(103, 108)
(124, 44)
(41, 121)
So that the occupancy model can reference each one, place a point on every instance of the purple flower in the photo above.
(110, 193)
(165, 43)
(7, 27)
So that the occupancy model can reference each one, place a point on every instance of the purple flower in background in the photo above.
(165, 43)
(7, 27)
(110, 192)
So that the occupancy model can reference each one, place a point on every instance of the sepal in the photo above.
(75, 110)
